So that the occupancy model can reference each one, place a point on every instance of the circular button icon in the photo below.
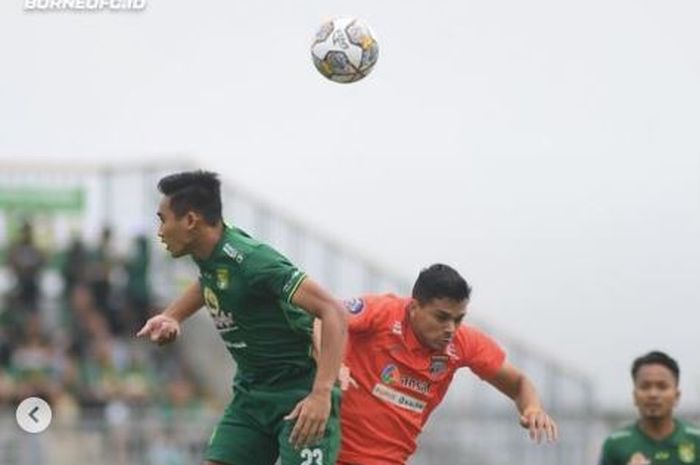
(33, 415)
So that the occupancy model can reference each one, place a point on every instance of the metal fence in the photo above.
(475, 425)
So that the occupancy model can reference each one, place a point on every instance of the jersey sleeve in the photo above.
(269, 272)
(607, 456)
(362, 313)
(480, 352)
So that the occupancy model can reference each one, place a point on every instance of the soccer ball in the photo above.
(344, 49)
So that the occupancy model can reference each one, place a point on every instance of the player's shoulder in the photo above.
(386, 302)
(388, 306)
(689, 429)
(239, 246)
(467, 330)
(468, 335)
(239, 239)
(620, 434)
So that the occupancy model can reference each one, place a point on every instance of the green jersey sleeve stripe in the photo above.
(296, 280)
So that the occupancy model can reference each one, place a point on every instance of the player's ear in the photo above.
(678, 397)
(412, 306)
(191, 219)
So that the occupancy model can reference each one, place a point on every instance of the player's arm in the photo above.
(345, 379)
(313, 412)
(514, 384)
(165, 328)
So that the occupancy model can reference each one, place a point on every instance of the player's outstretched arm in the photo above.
(513, 383)
(312, 412)
(165, 328)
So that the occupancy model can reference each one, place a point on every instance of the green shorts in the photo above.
(253, 431)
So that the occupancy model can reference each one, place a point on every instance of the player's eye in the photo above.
(442, 317)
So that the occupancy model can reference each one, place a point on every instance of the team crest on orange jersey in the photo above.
(438, 364)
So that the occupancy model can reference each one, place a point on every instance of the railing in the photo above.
(143, 436)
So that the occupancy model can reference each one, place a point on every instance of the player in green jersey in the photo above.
(657, 437)
(285, 403)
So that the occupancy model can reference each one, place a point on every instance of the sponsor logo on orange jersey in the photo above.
(392, 376)
(399, 399)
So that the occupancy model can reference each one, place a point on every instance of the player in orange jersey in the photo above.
(402, 355)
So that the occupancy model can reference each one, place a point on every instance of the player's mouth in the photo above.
(442, 343)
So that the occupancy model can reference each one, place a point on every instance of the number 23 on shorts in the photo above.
(311, 456)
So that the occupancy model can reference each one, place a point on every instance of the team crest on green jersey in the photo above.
(686, 452)
(211, 301)
(639, 459)
(222, 278)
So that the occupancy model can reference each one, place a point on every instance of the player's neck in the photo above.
(210, 237)
(657, 428)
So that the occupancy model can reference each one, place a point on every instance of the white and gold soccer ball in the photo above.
(344, 49)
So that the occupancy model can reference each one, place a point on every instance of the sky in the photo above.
(548, 150)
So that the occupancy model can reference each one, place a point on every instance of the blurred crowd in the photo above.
(76, 348)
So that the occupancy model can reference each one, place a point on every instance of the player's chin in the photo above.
(653, 413)
(177, 253)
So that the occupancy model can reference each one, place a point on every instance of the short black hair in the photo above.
(198, 191)
(440, 281)
(656, 357)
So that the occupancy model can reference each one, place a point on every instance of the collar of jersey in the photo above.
(670, 439)
(217, 248)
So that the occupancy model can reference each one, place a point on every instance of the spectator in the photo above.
(74, 265)
(25, 261)
(138, 292)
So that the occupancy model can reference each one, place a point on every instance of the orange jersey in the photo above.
(399, 380)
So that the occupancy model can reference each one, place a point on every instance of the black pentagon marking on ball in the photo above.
(340, 63)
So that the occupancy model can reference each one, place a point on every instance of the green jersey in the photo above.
(248, 287)
(630, 446)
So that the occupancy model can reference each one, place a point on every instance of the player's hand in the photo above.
(540, 425)
(311, 415)
(345, 379)
(161, 329)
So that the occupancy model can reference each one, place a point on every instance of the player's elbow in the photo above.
(333, 313)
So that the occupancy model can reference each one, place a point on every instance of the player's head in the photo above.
(191, 202)
(439, 303)
(656, 393)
